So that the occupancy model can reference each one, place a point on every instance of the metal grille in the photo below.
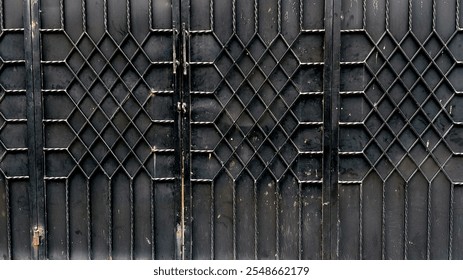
(109, 129)
(400, 130)
(169, 129)
(256, 98)
(14, 165)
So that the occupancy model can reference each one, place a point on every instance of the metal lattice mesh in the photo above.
(14, 166)
(256, 98)
(400, 132)
(109, 127)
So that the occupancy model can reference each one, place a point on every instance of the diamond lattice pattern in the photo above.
(407, 92)
(109, 96)
(254, 104)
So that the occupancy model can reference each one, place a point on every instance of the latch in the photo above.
(175, 62)
(181, 107)
(184, 42)
(37, 236)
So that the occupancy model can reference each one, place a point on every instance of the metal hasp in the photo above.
(37, 236)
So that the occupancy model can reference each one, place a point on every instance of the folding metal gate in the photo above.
(255, 93)
(299, 129)
(399, 187)
(101, 139)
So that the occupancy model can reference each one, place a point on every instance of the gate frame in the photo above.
(35, 128)
(181, 23)
(331, 86)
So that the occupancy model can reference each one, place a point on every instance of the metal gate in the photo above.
(399, 185)
(256, 95)
(170, 129)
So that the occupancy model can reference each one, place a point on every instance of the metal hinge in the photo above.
(37, 236)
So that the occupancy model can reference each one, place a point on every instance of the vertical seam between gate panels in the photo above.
(326, 223)
(184, 121)
(28, 48)
(183, 81)
(34, 114)
(330, 137)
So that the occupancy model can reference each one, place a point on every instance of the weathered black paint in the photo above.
(299, 129)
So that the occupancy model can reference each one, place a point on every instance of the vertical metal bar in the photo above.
(256, 17)
(110, 220)
(331, 77)
(364, 15)
(212, 12)
(410, 13)
(184, 49)
(428, 228)
(152, 189)
(183, 156)
(299, 219)
(34, 117)
(410, 26)
(451, 215)
(36, 49)
(212, 217)
(110, 202)
(256, 236)
(279, 16)
(233, 16)
(301, 27)
(45, 233)
(132, 219)
(181, 13)
(8, 219)
(406, 221)
(174, 51)
(383, 221)
(1, 13)
(61, 8)
(387, 16)
(153, 234)
(28, 49)
(89, 222)
(364, 20)
(105, 15)
(256, 225)
(234, 220)
(128, 16)
(84, 17)
(361, 221)
(68, 253)
(7, 188)
(457, 17)
(277, 219)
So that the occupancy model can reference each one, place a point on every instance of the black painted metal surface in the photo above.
(15, 211)
(170, 129)
(256, 128)
(400, 130)
(110, 129)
